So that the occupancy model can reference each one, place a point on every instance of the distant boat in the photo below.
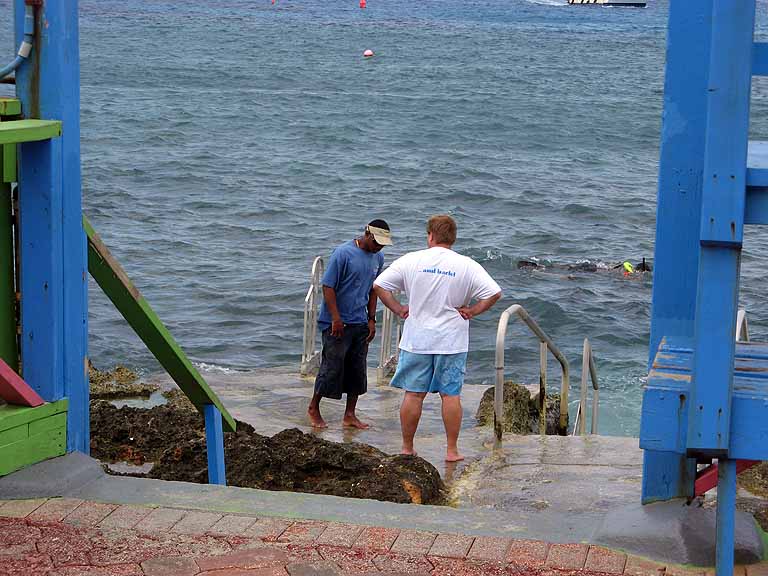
(637, 3)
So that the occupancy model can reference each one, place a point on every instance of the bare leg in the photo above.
(314, 412)
(350, 419)
(410, 413)
(452, 420)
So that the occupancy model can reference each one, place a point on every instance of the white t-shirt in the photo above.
(437, 281)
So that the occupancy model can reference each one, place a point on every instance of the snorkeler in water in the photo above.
(587, 266)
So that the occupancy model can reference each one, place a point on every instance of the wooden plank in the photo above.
(9, 349)
(760, 59)
(214, 441)
(42, 265)
(18, 131)
(34, 449)
(14, 390)
(14, 435)
(707, 478)
(8, 163)
(113, 280)
(12, 416)
(10, 107)
(50, 423)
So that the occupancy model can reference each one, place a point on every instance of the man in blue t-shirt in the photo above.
(348, 321)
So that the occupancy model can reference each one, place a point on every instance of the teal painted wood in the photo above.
(115, 283)
(42, 311)
(676, 255)
(666, 401)
(725, 522)
(722, 224)
(667, 475)
(48, 85)
(214, 441)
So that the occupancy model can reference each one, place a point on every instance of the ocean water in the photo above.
(226, 144)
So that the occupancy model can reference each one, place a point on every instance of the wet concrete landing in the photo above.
(558, 488)
(562, 485)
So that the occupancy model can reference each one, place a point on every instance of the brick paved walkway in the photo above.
(68, 537)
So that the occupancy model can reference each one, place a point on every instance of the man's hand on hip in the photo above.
(466, 312)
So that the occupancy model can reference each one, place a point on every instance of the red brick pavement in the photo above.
(60, 537)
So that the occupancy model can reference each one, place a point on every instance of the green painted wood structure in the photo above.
(113, 280)
(30, 435)
(10, 109)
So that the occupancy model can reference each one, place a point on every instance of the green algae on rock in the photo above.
(120, 382)
(521, 410)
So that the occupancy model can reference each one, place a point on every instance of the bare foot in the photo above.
(354, 422)
(315, 418)
(410, 452)
(453, 457)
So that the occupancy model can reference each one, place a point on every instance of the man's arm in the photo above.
(478, 307)
(337, 326)
(389, 300)
(371, 315)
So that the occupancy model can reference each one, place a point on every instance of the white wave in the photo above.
(548, 2)
(204, 367)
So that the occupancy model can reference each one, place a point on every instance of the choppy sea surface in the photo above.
(226, 144)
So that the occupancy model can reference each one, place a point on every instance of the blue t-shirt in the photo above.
(351, 272)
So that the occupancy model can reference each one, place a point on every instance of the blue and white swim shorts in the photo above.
(443, 373)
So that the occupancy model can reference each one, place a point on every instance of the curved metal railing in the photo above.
(546, 345)
(310, 357)
(588, 371)
(387, 352)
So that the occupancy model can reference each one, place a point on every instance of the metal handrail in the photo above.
(388, 358)
(546, 345)
(310, 356)
(742, 326)
(588, 369)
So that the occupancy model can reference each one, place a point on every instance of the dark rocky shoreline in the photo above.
(172, 438)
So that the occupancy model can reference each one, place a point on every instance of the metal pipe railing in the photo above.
(742, 326)
(310, 355)
(588, 370)
(546, 344)
(388, 352)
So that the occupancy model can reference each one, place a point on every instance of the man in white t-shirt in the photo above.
(441, 286)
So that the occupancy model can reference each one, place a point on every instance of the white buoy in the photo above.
(368, 53)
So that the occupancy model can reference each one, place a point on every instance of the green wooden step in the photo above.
(31, 435)
(18, 131)
(10, 107)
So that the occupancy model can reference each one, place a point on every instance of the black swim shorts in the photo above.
(344, 367)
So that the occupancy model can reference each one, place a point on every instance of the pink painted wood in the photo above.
(14, 390)
(707, 479)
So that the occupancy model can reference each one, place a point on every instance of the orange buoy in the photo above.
(368, 53)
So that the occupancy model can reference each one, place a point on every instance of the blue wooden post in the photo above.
(42, 271)
(726, 515)
(666, 474)
(54, 317)
(214, 437)
(722, 226)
